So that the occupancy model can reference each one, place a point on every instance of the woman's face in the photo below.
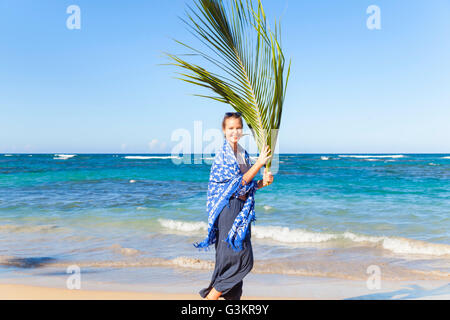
(233, 130)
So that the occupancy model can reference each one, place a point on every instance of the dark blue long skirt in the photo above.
(231, 266)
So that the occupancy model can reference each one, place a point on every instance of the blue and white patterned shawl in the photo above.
(225, 180)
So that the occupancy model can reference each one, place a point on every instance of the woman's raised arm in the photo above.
(253, 171)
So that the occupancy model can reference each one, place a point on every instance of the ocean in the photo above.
(134, 218)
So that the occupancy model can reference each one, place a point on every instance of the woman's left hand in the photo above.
(267, 178)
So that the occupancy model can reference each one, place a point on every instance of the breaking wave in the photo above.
(183, 225)
(63, 156)
(285, 235)
(366, 157)
(150, 157)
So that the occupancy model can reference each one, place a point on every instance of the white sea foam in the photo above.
(394, 244)
(367, 156)
(300, 236)
(408, 246)
(63, 156)
(8, 155)
(445, 157)
(150, 157)
(286, 235)
(280, 234)
(403, 245)
(325, 158)
(183, 225)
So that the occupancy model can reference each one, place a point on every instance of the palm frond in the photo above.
(248, 56)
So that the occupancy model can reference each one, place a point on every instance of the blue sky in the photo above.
(101, 89)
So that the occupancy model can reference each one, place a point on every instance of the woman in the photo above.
(231, 211)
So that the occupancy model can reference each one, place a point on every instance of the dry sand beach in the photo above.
(24, 292)
(304, 288)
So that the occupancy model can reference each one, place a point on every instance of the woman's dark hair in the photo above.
(229, 115)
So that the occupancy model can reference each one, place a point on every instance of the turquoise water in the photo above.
(324, 215)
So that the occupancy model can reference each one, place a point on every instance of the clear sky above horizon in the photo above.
(101, 89)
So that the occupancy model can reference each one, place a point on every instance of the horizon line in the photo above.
(137, 153)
